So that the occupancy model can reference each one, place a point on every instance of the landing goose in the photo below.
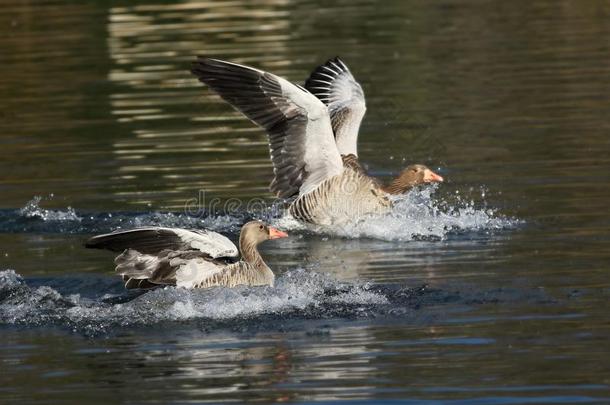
(307, 164)
(157, 256)
(334, 84)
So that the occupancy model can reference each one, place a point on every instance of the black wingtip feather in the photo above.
(260, 97)
(144, 240)
(94, 242)
(321, 79)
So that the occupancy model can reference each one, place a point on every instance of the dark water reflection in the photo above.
(509, 100)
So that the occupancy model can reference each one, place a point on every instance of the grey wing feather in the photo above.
(146, 271)
(152, 240)
(301, 142)
(335, 85)
(144, 240)
(139, 269)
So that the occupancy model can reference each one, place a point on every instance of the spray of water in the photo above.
(418, 214)
(297, 291)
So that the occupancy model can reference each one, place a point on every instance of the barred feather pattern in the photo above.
(337, 88)
(352, 162)
(341, 199)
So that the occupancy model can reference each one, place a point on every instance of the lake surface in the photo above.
(492, 287)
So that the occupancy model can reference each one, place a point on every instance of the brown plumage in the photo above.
(341, 199)
(408, 178)
(190, 259)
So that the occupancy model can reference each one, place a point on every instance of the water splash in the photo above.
(420, 214)
(99, 305)
(32, 218)
(32, 209)
(417, 215)
(296, 291)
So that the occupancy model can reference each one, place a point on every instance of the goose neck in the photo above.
(250, 254)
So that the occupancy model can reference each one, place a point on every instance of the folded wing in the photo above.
(335, 86)
(303, 151)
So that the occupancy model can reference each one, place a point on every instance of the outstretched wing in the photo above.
(181, 268)
(334, 84)
(152, 240)
(303, 151)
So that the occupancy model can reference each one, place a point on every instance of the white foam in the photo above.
(297, 290)
(416, 214)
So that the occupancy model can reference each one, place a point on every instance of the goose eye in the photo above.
(261, 227)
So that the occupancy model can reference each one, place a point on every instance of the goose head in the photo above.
(252, 234)
(256, 232)
(412, 176)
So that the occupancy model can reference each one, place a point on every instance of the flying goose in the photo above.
(334, 84)
(157, 256)
(307, 163)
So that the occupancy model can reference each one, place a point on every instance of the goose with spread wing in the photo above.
(158, 256)
(307, 163)
(334, 84)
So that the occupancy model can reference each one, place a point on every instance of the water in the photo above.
(490, 288)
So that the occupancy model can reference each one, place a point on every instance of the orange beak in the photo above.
(276, 233)
(431, 177)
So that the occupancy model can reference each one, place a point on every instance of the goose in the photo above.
(158, 256)
(307, 164)
(334, 84)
